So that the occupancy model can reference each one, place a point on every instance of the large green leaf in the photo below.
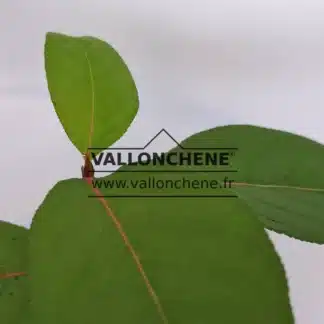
(90, 86)
(13, 252)
(208, 260)
(279, 174)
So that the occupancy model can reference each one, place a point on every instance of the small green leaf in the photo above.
(208, 260)
(91, 88)
(13, 252)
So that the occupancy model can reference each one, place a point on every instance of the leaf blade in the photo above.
(195, 261)
(270, 162)
(13, 251)
(91, 88)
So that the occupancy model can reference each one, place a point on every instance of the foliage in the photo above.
(93, 257)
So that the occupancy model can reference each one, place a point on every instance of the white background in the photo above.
(197, 64)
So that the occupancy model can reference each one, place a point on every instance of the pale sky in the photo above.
(206, 63)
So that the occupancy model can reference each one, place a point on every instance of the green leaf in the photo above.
(13, 251)
(280, 175)
(296, 213)
(91, 88)
(208, 260)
